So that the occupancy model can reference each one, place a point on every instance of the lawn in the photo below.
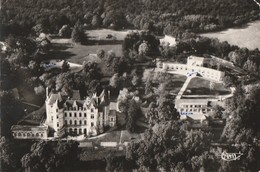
(77, 53)
(175, 83)
(199, 86)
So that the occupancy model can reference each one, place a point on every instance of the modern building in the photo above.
(29, 132)
(194, 66)
(76, 117)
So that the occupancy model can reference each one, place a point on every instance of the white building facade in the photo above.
(76, 117)
(194, 66)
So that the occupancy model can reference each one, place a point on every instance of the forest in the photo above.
(169, 17)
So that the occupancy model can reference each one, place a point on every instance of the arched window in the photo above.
(85, 114)
(24, 134)
(75, 122)
(70, 122)
(19, 134)
(70, 130)
(80, 122)
(75, 114)
(79, 114)
(75, 131)
(66, 123)
(85, 131)
(28, 134)
(14, 134)
(85, 122)
(70, 114)
(75, 108)
(37, 134)
(41, 135)
(80, 131)
(32, 135)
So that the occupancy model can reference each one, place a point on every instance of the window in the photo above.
(57, 116)
(75, 114)
(92, 110)
(52, 118)
(75, 122)
(74, 108)
(70, 122)
(37, 134)
(111, 119)
(84, 108)
(57, 124)
(80, 122)
(19, 134)
(70, 114)
(28, 135)
(85, 115)
(56, 110)
(92, 116)
(80, 131)
(41, 135)
(92, 124)
(79, 114)
(65, 114)
(85, 122)
(85, 131)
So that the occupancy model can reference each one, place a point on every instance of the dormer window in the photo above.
(75, 108)
(92, 110)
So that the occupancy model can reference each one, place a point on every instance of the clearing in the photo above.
(200, 86)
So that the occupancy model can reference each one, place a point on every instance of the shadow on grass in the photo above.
(56, 54)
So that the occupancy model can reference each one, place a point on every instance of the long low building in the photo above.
(29, 132)
(204, 72)
(195, 65)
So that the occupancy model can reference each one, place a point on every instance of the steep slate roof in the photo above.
(54, 97)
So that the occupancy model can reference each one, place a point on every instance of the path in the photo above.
(31, 104)
(183, 88)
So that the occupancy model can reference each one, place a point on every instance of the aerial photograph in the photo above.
(130, 86)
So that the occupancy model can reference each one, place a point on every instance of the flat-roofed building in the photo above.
(193, 106)
(29, 132)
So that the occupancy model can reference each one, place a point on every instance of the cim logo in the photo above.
(230, 156)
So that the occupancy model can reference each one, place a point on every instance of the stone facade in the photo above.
(78, 117)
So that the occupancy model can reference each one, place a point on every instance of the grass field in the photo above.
(246, 36)
(77, 53)
(97, 39)
(199, 86)
(175, 83)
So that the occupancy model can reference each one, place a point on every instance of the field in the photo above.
(199, 86)
(175, 83)
(247, 36)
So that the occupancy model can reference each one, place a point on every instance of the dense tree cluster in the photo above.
(168, 17)
(50, 156)
(169, 146)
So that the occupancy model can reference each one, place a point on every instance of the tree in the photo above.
(114, 81)
(101, 53)
(78, 34)
(132, 114)
(143, 49)
(65, 66)
(39, 90)
(65, 31)
(8, 157)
